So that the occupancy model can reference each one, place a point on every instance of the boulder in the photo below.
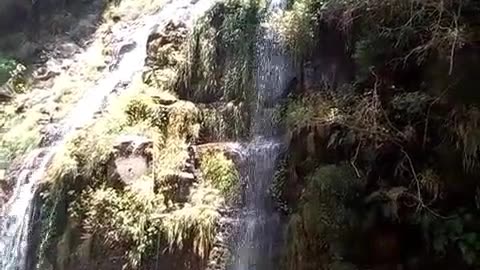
(43, 74)
(164, 42)
(177, 185)
(128, 145)
(131, 168)
(131, 160)
(164, 98)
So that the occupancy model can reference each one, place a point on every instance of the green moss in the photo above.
(136, 224)
(406, 103)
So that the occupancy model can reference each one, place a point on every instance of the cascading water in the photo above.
(16, 215)
(262, 226)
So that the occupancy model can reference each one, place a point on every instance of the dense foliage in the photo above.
(383, 126)
(400, 109)
(221, 172)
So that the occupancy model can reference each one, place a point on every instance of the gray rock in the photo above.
(131, 159)
(127, 145)
(50, 133)
(131, 168)
(186, 177)
(164, 99)
(68, 49)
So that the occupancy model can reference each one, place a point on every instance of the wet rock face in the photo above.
(7, 180)
(20, 169)
(5, 189)
(221, 253)
(128, 145)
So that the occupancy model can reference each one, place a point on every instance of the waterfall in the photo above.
(262, 226)
(16, 215)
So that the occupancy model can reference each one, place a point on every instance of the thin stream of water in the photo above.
(262, 227)
(16, 214)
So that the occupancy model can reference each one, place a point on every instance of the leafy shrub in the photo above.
(183, 120)
(139, 109)
(121, 219)
(222, 53)
(297, 27)
(196, 221)
(220, 171)
(311, 110)
(133, 222)
(12, 74)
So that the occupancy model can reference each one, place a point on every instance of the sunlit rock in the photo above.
(131, 159)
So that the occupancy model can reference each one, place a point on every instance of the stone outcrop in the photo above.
(131, 159)
(164, 41)
(165, 54)
(179, 183)
(221, 253)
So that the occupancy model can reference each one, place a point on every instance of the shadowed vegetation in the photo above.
(404, 121)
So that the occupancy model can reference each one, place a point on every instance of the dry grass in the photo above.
(197, 220)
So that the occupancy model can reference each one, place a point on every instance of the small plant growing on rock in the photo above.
(7, 66)
(220, 171)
